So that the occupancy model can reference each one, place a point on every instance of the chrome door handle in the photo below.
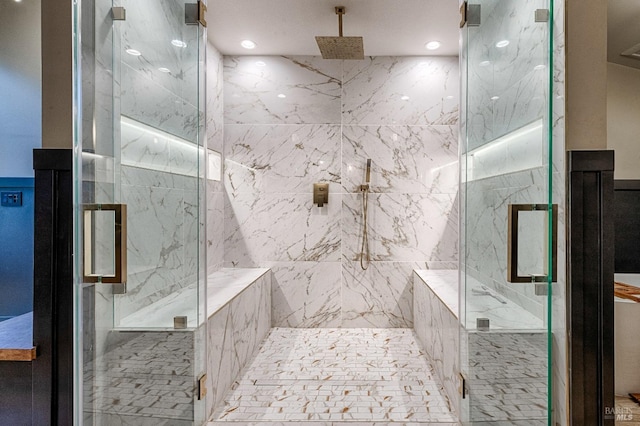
(512, 243)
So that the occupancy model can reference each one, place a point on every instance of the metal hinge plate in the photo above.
(542, 289)
(463, 14)
(463, 386)
(542, 15)
(473, 15)
(470, 15)
(119, 288)
(194, 13)
(202, 388)
(118, 13)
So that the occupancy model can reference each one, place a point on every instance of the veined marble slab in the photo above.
(223, 286)
(444, 284)
(352, 375)
(502, 316)
(438, 332)
(236, 330)
(159, 315)
(293, 121)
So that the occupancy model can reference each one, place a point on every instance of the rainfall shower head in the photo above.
(340, 47)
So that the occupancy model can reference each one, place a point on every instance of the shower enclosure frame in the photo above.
(507, 165)
(139, 144)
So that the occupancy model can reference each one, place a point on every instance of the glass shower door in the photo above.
(140, 286)
(507, 225)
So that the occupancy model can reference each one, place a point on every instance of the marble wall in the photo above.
(162, 236)
(215, 141)
(160, 161)
(235, 332)
(436, 327)
(508, 97)
(158, 85)
(293, 121)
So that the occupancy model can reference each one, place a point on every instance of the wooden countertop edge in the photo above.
(626, 291)
(18, 354)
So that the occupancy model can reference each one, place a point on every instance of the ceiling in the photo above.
(623, 30)
(289, 27)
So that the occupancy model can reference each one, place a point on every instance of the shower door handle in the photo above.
(90, 239)
(512, 243)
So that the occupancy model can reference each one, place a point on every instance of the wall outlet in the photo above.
(11, 198)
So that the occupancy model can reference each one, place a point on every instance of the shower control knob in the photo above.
(320, 194)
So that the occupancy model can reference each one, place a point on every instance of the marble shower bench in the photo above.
(435, 322)
(239, 320)
(515, 344)
(148, 357)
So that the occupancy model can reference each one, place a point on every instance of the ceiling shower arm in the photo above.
(340, 10)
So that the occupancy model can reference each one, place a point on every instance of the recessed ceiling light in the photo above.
(165, 70)
(178, 43)
(133, 52)
(282, 96)
(248, 44)
(405, 98)
(433, 45)
(502, 43)
(495, 98)
(261, 64)
(539, 67)
(18, 1)
(485, 63)
(450, 97)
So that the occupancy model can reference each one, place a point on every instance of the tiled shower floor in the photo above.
(330, 376)
(508, 379)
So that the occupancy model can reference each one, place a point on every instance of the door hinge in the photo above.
(118, 13)
(463, 386)
(202, 388)
(542, 15)
(542, 289)
(470, 15)
(463, 14)
(194, 13)
(119, 288)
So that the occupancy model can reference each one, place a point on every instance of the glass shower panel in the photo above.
(160, 167)
(505, 168)
(140, 142)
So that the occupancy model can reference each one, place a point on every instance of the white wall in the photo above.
(586, 72)
(623, 126)
(20, 86)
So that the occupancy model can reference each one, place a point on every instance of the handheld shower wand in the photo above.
(365, 257)
(368, 178)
